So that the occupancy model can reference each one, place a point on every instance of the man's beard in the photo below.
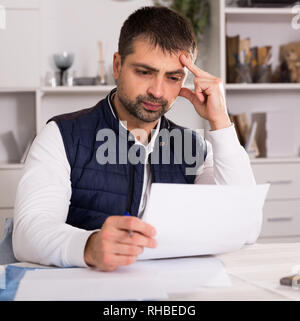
(137, 109)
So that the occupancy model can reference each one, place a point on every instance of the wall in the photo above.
(77, 25)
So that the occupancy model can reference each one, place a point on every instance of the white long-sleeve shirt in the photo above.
(41, 234)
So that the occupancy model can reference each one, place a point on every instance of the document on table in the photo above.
(202, 220)
(143, 280)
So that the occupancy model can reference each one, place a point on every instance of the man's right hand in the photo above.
(112, 246)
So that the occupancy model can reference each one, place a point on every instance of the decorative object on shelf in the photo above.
(239, 63)
(101, 76)
(52, 79)
(243, 73)
(251, 146)
(290, 57)
(9, 147)
(260, 118)
(197, 12)
(85, 81)
(69, 78)
(246, 64)
(246, 133)
(263, 73)
(232, 45)
(63, 62)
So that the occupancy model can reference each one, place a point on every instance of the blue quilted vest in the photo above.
(100, 190)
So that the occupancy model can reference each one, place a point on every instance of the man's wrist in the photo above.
(88, 257)
(220, 124)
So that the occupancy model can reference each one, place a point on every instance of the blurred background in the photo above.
(56, 57)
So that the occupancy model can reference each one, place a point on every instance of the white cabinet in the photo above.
(283, 177)
(282, 208)
(281, 218)
(268, 26)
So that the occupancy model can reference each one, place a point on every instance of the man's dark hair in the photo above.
(161, 27)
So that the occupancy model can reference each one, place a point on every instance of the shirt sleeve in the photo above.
(41, 234)
(227, 163)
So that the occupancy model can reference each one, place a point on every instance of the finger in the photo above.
(192, 96)
(201, 90)
(133, 224)
(137, 239)
(123, 260)
(208, 87)
(129, 250)
(111, 261)
(187, 62)
(205, 83)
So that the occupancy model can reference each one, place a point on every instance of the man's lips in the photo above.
(151, 106)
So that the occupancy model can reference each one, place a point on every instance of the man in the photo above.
(70, 203)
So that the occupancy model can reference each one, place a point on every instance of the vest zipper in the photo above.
(130, 193)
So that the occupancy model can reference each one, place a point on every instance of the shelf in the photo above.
(7, 166)
(266, 86)
(95, 89)
(18, 89)
(76, 89)
(281, 160)
(259, 11)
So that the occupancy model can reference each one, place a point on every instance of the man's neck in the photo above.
(133, 123)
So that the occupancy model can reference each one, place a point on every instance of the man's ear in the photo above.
(117, 65)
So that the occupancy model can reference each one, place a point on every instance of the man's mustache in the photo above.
(152, 99)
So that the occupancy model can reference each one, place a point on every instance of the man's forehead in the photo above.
(143, 46)
(145, 53)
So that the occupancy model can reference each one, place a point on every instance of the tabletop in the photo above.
(255, 272)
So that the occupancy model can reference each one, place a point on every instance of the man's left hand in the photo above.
(208, 97)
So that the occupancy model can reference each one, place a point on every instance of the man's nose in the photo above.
(156, 88)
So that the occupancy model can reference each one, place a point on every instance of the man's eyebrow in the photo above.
(175, 72)
(145, 67)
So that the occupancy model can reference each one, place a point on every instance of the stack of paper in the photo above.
(141, 281)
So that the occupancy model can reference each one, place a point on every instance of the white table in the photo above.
(255, 272)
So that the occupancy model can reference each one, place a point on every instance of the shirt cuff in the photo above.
(224, 141)
(75, 250)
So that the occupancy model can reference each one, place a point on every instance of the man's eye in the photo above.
(143, 72)
(175, 79)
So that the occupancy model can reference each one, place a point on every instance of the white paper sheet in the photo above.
(200, 220)
(142, 280)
